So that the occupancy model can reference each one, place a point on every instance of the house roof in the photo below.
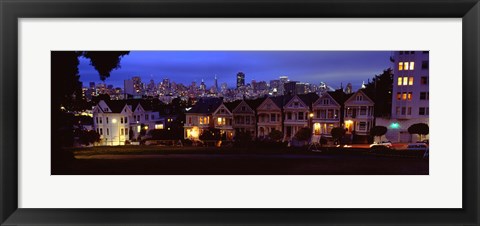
(116, 106)
(206, 106)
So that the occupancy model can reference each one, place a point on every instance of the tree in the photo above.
(419, 128)
(380, 89)
(303, 134)
(378, 131)
(242, 137)
(87, 137)
(338, 133)
(275, 135)
(105, 61)
(210, 135)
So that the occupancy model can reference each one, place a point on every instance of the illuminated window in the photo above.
(139, 128)
(158, 126)
(399, 81)
(405, 65)
(409, 96)
(399, 96)
(410, 81)
(404, 96)
(316, 128)
(400, 66)
(405, 81)
(221, 121)
(412, 66)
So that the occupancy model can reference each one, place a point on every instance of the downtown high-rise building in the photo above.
(240, 79)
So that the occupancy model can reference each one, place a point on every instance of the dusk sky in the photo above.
(331, 67)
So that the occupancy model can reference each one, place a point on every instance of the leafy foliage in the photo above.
(275, 135)
(105, 61)
(378, 131)
(338, 133)
(210, 134)
(303, 134)
(87, 136)
(419, 128)
(380, 89)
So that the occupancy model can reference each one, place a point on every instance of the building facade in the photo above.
(359, 114)
(410, 99)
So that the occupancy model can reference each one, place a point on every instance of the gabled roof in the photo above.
(205, 106)
(362, 92)
(308, 98)
(232, 105)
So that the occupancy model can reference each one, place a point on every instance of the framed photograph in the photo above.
(204, 112)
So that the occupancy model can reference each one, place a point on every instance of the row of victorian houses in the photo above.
(287, 114)
(119, 121)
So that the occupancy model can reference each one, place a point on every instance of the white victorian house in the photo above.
(244, 119)
(326, 114)
(359, 117)
(111, 119)
(222, 120)
(297, 113)
(269, 116)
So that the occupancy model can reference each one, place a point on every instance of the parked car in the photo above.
(417, 147)
(382, 144)
(423, 141)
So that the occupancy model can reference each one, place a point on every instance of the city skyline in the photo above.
(332, 67)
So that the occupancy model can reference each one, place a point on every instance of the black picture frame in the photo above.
(11, 11)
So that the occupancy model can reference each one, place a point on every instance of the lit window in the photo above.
(399, 81)
(404, 96)
(410, 81)
(405, 81)
(412, 66)
(409, 95)
(220, 121)
(405, 65)
(400, 66)
(399, 96)
(158, 126)
(139, 128)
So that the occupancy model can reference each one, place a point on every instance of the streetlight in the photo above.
(114, 121)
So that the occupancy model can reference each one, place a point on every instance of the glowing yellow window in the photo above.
(158, 126)
(410, 81)
(221, 121)
(400, 66)
(404, 96)
(405, 65)
(405, 81)
(411, 65)
(409, 96)
(399, 81)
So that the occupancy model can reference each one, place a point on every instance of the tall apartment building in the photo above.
(410, 99)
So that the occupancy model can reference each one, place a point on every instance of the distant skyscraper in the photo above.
(216, 84)
(128, 88)
(203, 86)
(349, 88)
(240, 79)
(290, 88)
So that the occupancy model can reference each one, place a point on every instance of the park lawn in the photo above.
(141, 149)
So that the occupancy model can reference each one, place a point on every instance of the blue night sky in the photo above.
(331, 67)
